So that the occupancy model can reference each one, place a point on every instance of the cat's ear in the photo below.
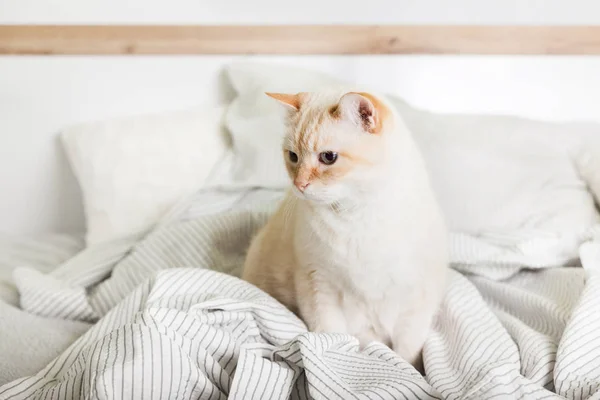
(290, 100)
(362, 109)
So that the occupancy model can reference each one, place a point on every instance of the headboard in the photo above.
(54, 76)
(298, 39)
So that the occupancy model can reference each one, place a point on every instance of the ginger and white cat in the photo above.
(359, 244)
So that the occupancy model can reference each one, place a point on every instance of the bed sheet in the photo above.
(519, 320)
(42, 252)
(29, 342)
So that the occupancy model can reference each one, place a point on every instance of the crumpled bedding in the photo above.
(28, 342)
(519, 320)
(42, 252)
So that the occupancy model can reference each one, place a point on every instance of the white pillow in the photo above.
(505, 173)
(132, 170)
(489, 172)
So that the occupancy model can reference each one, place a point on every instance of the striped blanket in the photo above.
(520, 319)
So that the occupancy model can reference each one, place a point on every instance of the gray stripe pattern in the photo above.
(513, 324)
(42, 252)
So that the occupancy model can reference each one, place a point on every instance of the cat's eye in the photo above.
(328, 157)
(293, 156)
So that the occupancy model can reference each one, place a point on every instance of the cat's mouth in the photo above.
(310, 195)
(299, 194)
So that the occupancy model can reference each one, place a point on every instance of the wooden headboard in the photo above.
(298, 40)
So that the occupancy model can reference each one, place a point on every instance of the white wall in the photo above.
(301, 12)
(41, 95)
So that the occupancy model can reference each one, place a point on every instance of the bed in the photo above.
(151, 305)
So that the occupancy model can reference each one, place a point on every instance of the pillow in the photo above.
(490, 173)
(132, 170)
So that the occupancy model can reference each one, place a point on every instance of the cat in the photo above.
(359, 243)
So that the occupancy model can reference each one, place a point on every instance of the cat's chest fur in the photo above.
(361, 253)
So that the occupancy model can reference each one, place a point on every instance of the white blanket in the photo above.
(43, 252)
(512, 325)
(28, 342)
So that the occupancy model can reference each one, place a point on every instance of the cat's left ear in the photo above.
(363, 109)
(290, 100)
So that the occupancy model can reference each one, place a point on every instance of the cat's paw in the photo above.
(368, 337)
(413, 355)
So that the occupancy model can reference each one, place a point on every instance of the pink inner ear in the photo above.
(380, 114)
(360, 109)
(290, 100)
(367, 113)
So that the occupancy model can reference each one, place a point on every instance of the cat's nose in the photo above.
(301, 185)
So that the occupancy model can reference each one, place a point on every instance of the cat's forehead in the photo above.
(317, 126)
(311, 129)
